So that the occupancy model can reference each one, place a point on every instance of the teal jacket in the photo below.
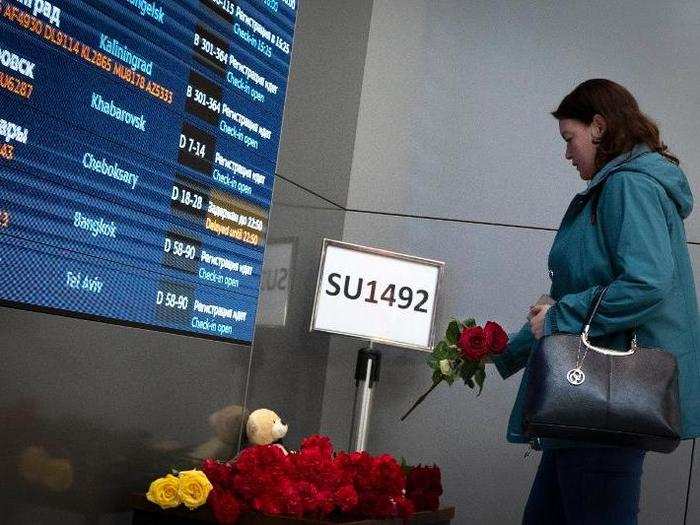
(637, 246)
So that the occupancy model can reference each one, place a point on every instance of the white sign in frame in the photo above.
(374, 294)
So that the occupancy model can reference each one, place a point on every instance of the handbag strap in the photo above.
(593, 309)
(598, 298)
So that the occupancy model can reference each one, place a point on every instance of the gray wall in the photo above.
(118, 406)
(454, 124)
(288, 363)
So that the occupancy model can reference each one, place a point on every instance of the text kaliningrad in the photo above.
(89, 54)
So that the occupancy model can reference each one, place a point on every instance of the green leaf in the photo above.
(450, 379)
(453, 331)
(469, 382)
(453, 353)
(479, 377)
(437, 376)
(470, 323)
(405, 466)
(468, 368)
(441, 351)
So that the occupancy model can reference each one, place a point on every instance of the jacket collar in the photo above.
(623, 158)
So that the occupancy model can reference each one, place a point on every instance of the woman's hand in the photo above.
(536, 317)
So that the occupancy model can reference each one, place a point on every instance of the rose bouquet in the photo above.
(314, 482)
(463, 354)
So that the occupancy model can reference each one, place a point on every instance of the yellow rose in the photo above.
(164, 492)
(194, 488)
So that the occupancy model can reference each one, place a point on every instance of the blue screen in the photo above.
(138, 147)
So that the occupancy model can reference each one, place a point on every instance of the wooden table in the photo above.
(147, 513)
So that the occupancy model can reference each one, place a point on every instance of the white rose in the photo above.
(445, 367)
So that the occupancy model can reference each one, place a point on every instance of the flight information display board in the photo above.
(138, 147)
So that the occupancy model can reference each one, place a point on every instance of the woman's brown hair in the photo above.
(626, 125)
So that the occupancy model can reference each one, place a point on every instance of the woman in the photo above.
(624, 230)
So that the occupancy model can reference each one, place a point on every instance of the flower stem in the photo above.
(420, 400)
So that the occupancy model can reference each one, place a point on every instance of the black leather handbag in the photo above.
(581, 392)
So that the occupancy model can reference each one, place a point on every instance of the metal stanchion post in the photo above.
(367, 373)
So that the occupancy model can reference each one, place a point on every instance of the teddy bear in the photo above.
(265, 427)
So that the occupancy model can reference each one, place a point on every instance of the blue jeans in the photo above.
(586, 486)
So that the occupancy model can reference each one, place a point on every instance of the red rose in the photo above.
(427, 479)
(353, 466)
(315, 466)
(385, 476)
(473, 343)
(424, 500)
(225, 507)
(424, 487)
(258, 470)
(308, 495)
(496, 338)
(326, 502)
(287, 496)
(346, 498)
(220, 474)
(405, 507)
(271, 505)
(378, 506)
(321, 443)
